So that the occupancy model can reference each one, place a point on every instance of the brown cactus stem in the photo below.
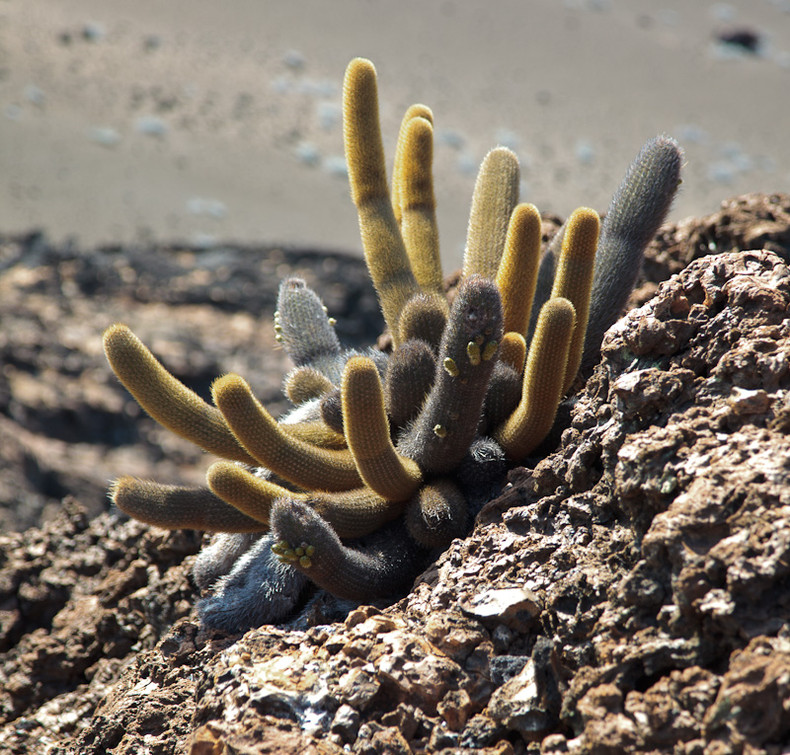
(441, 434)
(437, 515)
(384, 566)
(424, 317)
(408, 380)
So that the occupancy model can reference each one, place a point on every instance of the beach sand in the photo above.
(201, 121)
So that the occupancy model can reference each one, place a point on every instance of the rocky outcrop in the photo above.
(628, 592)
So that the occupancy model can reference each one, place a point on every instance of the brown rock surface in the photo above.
(629, 592)
(66, 423)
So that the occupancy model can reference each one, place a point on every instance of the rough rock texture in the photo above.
(66, 423)
(628, 592)
(751, 221)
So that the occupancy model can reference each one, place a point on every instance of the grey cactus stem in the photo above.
(441, 434)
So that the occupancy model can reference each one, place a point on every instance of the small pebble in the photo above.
(294, 60)
(721, 172)
(152, 42)
(329, 115)
(281, 85)
(150, 125)
(34, 95)
(105, 136)
(212, 208)
(346, 723)
(93, 32)
(450, 138)
(467, 164)
(316, 88)
(308, 154)
(584, 152)
(336, 166)
(689, 133)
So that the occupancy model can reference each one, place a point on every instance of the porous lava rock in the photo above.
(629, 591)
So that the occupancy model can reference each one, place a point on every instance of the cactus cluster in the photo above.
(385, 458)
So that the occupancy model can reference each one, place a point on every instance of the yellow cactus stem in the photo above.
(352, 513)
(166, 398)
(356, 513)
(302, 464)
(418, 206)
(574, 278)
(385, 253)
(382, 468)
(495, 195)
(513, 351)
(245, 491)
(543, 381)
(175, 507)
(315, 433)
(306, 383)
(518, 271)
(414, 111)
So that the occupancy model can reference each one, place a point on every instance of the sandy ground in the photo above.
(200, 120)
